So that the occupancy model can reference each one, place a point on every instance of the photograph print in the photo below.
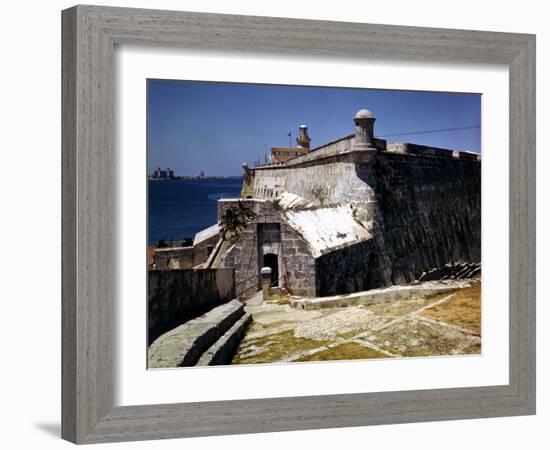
(294, 224)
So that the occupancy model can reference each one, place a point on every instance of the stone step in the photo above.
(382, 295)
(224, 349)
(184, 345)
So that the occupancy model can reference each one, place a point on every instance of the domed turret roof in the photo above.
(364, 114)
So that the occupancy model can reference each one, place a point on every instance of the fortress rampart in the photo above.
(422, 206)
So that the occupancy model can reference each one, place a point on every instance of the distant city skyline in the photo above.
(215, 127)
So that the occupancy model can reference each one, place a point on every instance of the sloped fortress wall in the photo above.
(349, 269)
(428, 213)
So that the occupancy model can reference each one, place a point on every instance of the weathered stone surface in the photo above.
(176, 296)
(223, 350)
(295, 262)
(414, 208)
(187, 257)
(349, 269)
(453, 272)
(429, 213)
(422, 206)
(375, 296)
(184, 345)
(174, 258)
(447, 323)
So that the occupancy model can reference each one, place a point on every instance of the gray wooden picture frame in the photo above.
(90, 34)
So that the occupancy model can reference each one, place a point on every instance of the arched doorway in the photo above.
(272, 261)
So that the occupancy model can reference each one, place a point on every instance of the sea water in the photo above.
(178, 209)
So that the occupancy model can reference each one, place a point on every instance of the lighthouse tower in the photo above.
(303, 138)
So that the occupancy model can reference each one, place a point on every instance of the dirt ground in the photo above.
(434, 325)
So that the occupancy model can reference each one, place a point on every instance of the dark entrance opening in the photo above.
(272, 261)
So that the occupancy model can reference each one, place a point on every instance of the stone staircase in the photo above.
(210, 339)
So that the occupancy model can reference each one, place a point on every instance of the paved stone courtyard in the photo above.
(428, 325)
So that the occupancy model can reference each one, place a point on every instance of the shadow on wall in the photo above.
(177, 296)
(428, 213)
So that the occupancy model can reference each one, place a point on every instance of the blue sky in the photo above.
(217, 126)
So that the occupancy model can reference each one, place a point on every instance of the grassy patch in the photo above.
(275, 347)
(280, 323)
(346, 351)
(273, 334)
(463, 310)
(415, 338)
(352, 333)
(279, 300)
(399, 308)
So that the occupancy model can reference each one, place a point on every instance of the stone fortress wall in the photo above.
(189, 257)
(422, 205)
(428, 213)
(268, 234)
(176, 296)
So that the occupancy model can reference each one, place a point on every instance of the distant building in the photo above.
(280, 154)
(163, 174)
